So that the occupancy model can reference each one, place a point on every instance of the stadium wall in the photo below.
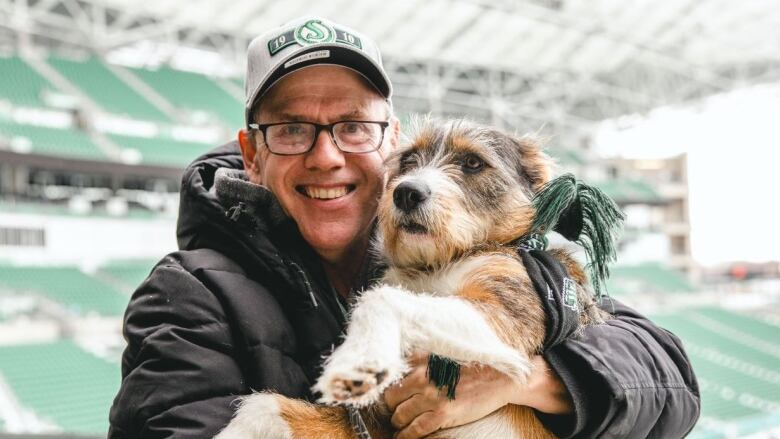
(83, 240)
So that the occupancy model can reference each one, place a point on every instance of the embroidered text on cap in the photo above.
(312, 32)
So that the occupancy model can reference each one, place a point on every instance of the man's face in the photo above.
(331, 195)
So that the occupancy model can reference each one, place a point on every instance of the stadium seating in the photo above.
(755, 327)
(22, 85)
(630, 191)
(192, 91)
(650, 277)
(62, 384)
(106, 89)
(723, 335)
(66, 285)
(162, 152)
(127, 274)
(737, 380)
(59, 142)
(567, 158)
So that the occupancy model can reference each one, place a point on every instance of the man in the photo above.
(274, 232)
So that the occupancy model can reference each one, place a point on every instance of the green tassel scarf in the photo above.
(583, 214)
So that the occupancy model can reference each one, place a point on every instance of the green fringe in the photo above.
(584, 214)
(443, 372)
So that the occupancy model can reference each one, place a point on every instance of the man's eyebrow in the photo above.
(289, 117)
(356, 113)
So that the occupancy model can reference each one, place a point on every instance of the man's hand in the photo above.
(419, 408)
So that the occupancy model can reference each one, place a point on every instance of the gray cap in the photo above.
(308, 41)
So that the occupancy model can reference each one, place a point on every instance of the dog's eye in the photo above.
(407, 160)
(472, 164)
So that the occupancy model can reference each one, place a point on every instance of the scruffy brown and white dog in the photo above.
(456, 196)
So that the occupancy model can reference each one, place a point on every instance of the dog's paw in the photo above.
(351, 385)
(345, 383)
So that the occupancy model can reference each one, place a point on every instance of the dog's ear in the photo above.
(535, 166)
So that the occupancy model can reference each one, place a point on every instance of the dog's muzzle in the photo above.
(408, 195)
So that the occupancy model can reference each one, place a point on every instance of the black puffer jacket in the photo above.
(246, 306)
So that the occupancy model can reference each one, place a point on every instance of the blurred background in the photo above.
(672, 107)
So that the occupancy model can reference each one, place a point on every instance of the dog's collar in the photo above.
(532, 241)
(357, 424)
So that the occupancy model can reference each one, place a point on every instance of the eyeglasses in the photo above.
(292, 138)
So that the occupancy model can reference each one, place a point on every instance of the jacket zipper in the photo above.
(306, 281)
(354, 417)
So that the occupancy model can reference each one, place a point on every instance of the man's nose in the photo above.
(324, 155)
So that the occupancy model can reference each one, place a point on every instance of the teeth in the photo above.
(326, 193)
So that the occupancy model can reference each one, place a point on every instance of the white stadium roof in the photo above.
(517, 63)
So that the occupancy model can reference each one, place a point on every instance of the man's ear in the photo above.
(394, 131)
(392, 138)
(249, 155)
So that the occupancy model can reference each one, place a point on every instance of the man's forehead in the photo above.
(308, 104)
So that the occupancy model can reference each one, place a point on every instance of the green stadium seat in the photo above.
(755, 327)
(66, 285)
(627, 191)
(650, 277)
(567, 157)
(729, 371)
(162, 152)
(106, 89)
(22, 85)
(193, 91)
(127, 274)
(66, 143)
(62, 384)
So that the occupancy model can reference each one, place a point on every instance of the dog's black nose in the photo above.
(410, 194)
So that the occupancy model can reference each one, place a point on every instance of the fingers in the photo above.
(408, 410)
(414, 382)
(414, 401)
(421, 426)
(396, 394)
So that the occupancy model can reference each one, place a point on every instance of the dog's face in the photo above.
(455, 186)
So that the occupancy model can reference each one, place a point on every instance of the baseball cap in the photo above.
(308, 41)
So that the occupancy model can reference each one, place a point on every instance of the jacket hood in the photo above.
(219, 209)
(199, 207)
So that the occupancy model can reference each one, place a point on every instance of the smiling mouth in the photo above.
(320, 193)
(414, 228)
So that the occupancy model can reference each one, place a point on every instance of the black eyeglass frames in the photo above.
(352, 136)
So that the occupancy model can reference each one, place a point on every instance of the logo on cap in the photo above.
(313, 32)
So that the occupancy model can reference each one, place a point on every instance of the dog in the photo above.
(457, 197)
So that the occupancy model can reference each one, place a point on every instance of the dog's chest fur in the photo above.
(443, 281)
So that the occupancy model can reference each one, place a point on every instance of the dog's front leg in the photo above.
(389, 323)
(258, 416)
(371, 356)
(454, 328)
